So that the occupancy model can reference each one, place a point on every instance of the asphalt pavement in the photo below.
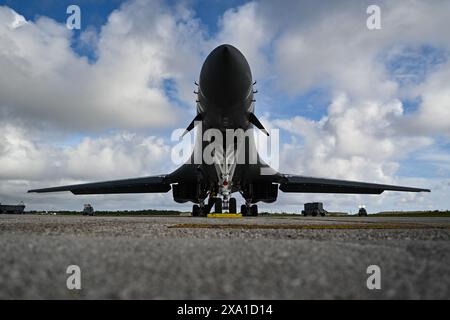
(204, 258)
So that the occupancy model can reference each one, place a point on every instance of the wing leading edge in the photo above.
(151, 184)
(293, 183)
(288, 183)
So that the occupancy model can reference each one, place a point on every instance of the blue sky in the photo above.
(316, 81)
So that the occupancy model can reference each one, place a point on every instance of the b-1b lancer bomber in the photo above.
(225, 102)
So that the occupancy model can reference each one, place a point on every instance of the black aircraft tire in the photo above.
(254, 210)
(244, 210)
(218, 205)
(195, 210)
(232, 205)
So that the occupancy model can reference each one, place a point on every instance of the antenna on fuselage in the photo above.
(254, 91)
(254, 120)
(198, 118)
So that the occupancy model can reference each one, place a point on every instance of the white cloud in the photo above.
(351, 141)
(336, 51)
(433, 115)
(244, 28)
(28, 163)
(20, 158)
(120, 155)
(17, 20)
(139, 47)
(365, 133)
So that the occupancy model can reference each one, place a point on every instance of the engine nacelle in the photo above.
(184, 192)
(266, 192)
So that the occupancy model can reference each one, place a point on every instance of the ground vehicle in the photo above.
(362, 212)
(314, 209)
(88, 210)
(12, 209)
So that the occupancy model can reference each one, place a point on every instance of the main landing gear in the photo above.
(202, 210)
(248, 210)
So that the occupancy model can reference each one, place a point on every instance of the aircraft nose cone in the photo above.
(225, 77)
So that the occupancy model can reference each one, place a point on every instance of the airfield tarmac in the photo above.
(205, 258)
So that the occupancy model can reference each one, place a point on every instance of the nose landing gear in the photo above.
(219, 205)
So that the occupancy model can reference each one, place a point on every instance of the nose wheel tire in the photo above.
(195, 210)
(232, 206)
(218, 205)
(254, 210)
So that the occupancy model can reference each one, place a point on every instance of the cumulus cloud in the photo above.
(328, 45)
(433, 115)
(138, 48)
(337, 50)
(46, 88)
(20, 158)
(246, 29)
(120, 155)
(365, 133)
(352, 141)
(28, 163)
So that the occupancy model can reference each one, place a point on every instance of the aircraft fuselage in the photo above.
(225, 92)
